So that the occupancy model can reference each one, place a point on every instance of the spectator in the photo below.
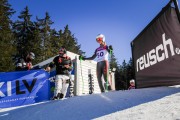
(63, 65)
(25, 63)
(132, 84)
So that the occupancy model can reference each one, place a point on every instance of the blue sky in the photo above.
(119, 20)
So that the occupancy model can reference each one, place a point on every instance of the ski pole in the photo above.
(110, 52)
(107, 80)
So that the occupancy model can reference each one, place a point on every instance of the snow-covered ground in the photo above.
(160, 103)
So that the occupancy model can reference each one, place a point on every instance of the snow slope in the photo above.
(162, 103)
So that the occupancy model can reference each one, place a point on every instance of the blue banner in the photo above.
(23, 87)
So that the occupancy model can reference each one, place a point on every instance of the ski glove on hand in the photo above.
(81, 58)
(110, 47)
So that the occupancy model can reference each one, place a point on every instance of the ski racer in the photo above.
(102, 68)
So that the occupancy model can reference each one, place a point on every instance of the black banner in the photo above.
(156, 52)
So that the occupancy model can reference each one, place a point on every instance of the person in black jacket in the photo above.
(63, 65)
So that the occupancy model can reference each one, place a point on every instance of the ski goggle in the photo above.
(99, 39)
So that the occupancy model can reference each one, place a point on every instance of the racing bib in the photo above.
(101, 54)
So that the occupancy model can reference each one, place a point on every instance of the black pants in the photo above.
(103, 69)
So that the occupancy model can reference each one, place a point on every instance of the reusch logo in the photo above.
(156, 55)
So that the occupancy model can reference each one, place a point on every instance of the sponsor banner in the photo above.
(52, 83)
(23, 87)
(156, 52)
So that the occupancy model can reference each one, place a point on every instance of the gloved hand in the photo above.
(110, 47)
(81, 57)
(48, 69)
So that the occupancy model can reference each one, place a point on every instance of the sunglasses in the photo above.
(61, 50)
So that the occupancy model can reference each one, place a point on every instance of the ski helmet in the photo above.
(100, 37)
(62, 51)
(19, 65)
(32, 55)
(132, 81)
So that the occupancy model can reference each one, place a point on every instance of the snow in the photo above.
(159, 103)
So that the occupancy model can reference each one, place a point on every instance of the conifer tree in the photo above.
(55, 42)
(119, 79)
(7, 47)
(130, 71)
(118, 74)
(69, 41)
(23, 30)
(113, 62)
(45, 27)
(37, 47)
(124, 74)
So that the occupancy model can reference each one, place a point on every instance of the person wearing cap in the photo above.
(63, 65)
(25, 63)
(101, 54)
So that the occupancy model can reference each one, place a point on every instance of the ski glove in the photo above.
(110, 47)
(81, 58)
